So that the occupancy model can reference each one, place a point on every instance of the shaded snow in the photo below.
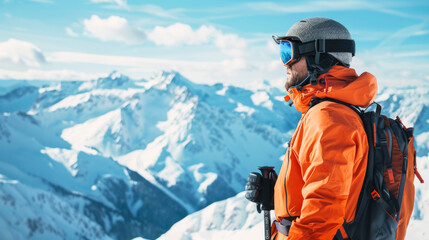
(262, 98)
(234, 218)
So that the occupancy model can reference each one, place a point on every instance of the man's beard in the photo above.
(294, 79)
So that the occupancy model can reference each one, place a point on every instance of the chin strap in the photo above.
(316, 67)
(313, 72)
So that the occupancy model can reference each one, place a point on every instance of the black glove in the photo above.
(253, 188)
(261, 190)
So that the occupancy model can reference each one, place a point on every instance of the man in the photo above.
(318, 186)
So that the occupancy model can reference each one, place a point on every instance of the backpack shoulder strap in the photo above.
(359, 111)
(317, 100)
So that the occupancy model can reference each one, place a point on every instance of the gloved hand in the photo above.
(261, 190)
(253, 187)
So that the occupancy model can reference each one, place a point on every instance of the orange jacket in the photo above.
(325, 163)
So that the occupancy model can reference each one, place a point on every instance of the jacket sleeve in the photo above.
(327, 155)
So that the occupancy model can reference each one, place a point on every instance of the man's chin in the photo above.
(293, 82)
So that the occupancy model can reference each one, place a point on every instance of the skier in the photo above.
(318, 186)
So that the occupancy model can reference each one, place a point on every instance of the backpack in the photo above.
(386, 199)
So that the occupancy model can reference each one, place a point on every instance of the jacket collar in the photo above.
(340, 83)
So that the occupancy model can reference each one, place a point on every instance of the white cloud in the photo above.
(393, 61)
(421, 53)
(113, 28)
(70, 32)
(273, 47)
(231, 71)
(119, 2)
(228, 71)
(183, 34)
(231, 44)
(76, 57)
(396, 39)
(421, 33)
(21, 53)
(276, 65)
(391, 70)
(35, 74)
(405, 73)
(233, 65)
(118, 29)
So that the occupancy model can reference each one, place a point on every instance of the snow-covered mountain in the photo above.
(53, 191)
(412, 106)
(115, 158)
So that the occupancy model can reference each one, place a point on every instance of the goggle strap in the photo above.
(327, 45)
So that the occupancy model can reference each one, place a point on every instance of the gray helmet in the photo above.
(321, 28)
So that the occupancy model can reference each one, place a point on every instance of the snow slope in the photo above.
(233, 218)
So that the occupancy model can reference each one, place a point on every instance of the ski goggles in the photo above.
(287, 53)
(291, 49)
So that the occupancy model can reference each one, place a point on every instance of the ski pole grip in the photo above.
(265, 171)
(266, 191)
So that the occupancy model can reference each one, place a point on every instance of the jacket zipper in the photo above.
(287, 169)
(288, 160)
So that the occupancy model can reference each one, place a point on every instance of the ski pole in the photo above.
(266, 199)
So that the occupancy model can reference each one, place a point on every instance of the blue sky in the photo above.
(206, 41)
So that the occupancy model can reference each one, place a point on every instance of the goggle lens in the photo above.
(286, 51)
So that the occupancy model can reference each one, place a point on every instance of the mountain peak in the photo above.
(113, 80)
(167, 79)
(115, 75)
